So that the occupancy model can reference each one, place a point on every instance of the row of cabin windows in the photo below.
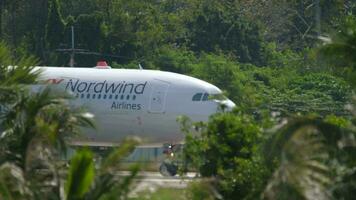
(105, 96)
(200, 97)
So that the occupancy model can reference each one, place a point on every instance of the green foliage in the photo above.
(84, 181)
(43, 112)
(174, 60)
(287, 89)
(337, 121)
(218, 25)
(89, 34)
(12, 182)
(257, 52)
(80, 175)
(107, 186)
(201, 190)
(162, 194)
(305, 155)
(136, 30)
(76, 8)
(319, 93)
(15, 75)
(294, 24)
(227, 149)
(341, 46)
(217, 70)
(139, 29)
(296, 92)
(277, 58)
(55, 25)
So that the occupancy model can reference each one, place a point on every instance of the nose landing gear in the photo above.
(168, 169)
(169, 166)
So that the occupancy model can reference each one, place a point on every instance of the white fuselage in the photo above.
(128, 102)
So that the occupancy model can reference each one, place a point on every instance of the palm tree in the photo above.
(341, 47)
(307, 154)
(29, 123)
(34, 128)
(12, 77)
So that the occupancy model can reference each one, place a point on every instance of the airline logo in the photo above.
(127, 91)
(78, 86)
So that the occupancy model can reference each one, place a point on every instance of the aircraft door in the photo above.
(158, 97)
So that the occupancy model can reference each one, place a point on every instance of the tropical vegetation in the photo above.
(288, 65)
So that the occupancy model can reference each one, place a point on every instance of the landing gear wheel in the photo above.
(167, 169)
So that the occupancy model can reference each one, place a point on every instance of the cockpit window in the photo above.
(208, 97)
(197, 97)
(205, 97)
(219, 96)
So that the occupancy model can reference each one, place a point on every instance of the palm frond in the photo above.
(12, 183)
(16, 71)
(302, 148)
(121, 188)
(112, 162)
(80, 175)
(342, 44)
(41, 114)
(107, 185)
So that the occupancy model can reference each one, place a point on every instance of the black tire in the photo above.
(167, 169)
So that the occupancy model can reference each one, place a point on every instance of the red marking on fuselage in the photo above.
(54, 81)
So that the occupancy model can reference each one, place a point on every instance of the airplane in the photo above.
(135, 102)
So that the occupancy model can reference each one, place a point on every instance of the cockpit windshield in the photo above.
(197, 97)
(219, 97)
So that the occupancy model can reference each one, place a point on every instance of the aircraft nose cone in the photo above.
(227, 105)
(230, 105)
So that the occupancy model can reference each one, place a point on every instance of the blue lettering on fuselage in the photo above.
(125, 106)
(78, 86)
(112, 88)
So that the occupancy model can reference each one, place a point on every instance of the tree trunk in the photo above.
(13, 26)
(1, 11)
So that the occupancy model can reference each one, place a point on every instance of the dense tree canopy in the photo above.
(138, 29)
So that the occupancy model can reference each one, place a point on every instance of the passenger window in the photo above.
(116, 96)
(122, 97)
(110, 97)
(134, 97)
(104, 97)
(82, 96)
(197, 97)
(99, 96)
(93, 96)
(205, 97)
(127, 97)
